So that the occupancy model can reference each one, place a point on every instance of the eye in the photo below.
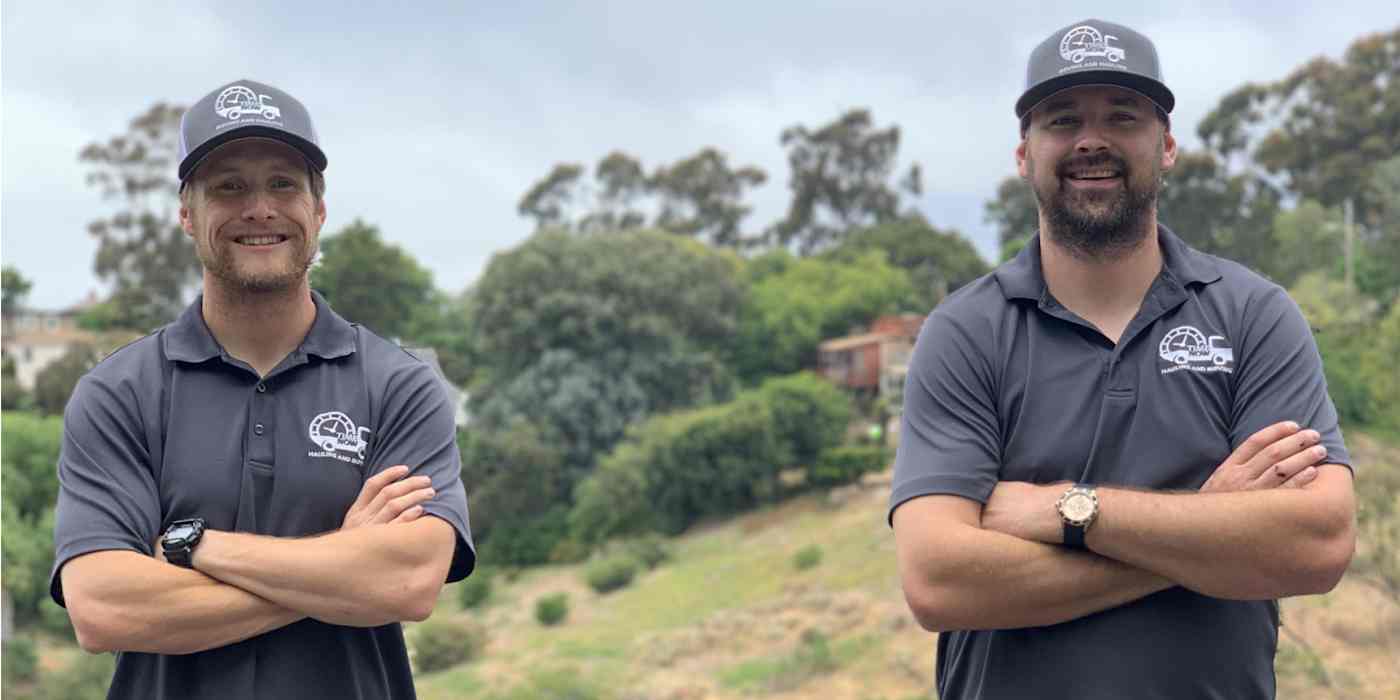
(283, 183)
(1064, 120)
(1124, 117)
(228, 186)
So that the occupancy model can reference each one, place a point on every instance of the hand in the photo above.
(1025, 510)
(1279, 455)
(389, 497)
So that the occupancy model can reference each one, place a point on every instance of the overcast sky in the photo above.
(436, 117)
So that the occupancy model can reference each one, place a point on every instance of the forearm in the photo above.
(994, 581)
(125, 601)
(360, 577)
(1242, 545)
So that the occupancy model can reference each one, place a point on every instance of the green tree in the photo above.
(141, 251)
(795, 303)
(702, 196)
(29, 447)
(1377, 252)
(1015, 214)
(936, 261)
(15, 287)
(840, 180)
(1324, 127)
(1306, 237)
(374, 283)
(1217, 212)
(550, 201)
(585, 334)
(54, 383)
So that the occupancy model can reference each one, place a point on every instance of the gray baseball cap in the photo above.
(245, 109)
(1094, 52)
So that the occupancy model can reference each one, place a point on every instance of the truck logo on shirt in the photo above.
(338, 438)
(1187, 348)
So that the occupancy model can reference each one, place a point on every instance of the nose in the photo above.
(259, 206)
(1090, 142)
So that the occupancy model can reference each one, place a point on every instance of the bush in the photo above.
(649, 550)
(809, 415)
(527, 543)
(552, 609)
(843, 465)
(476, 589)
(21, 660)
(86, 678)
(807, 557)
(439, 644)
(611, 573)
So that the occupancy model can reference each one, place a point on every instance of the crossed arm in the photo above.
(245, 585)
(1269, 523)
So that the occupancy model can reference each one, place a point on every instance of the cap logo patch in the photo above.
(239, 104)
(336, 437)
(1085, 42)
(1187, 348)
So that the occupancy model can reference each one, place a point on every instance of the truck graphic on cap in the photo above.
(1185, 344)
(335, 432)
(237, 100)
(1085, 42)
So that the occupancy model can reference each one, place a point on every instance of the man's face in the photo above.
(1094, 155)
(252, 216)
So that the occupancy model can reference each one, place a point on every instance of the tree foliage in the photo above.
(840, 180)
(55, 382)
(1015, 214)
(15, 287)
(700, 196)
(28, 465)
(374, 283)
(795, 303)
(936, 261)
(583, 335)
(142, 252)
(1219, 212)
(1322, 128)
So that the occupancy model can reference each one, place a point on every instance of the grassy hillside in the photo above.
(732, 616)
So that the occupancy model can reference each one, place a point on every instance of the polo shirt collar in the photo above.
(1022, 278)
(188, 338)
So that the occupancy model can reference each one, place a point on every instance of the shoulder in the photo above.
(393, 367)
(1240, 287)
(136, 368)
(972, 313)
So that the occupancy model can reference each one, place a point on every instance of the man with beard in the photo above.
(243, 492)
(1116, 452)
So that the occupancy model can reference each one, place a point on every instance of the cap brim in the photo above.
(310, 151)
(1151, 89)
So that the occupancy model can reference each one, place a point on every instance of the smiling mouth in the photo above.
(1094, 175)
(255, 241)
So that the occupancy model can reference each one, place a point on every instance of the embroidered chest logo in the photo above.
(336, 437)
(237, 102)
(1187, 348)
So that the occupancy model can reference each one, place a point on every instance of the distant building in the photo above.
(34, 338)
(875, 361)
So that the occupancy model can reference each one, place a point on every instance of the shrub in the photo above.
(528, 542)
(476, 589)
(21, 662)
(611, 573)
(438, 644)
(649, 550)
(551, 610)
(809, 415)
(843, 465)
(85, 678)
(807, 557)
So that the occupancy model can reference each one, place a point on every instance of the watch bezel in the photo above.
(1075, 493)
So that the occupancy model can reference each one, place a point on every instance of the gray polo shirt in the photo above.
(172, 427)
(1007, 384)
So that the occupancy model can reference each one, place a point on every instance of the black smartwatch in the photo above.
(180, 539)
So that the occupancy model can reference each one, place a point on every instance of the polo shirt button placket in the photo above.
(258, 429)
(262, 387)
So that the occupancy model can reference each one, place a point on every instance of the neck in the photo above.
(1105, 291)
(259, 328)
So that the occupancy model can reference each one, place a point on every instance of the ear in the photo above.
(186, 218)
(1021, 168)
(320, 213)
(1168, 151)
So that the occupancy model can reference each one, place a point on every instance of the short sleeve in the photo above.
(1279, 376)
(949, 434)
(107, 493)
(417, 427)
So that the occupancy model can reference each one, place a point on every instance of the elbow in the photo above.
(418, 599)
(93, 637)
(931, 609)
(1332, 559)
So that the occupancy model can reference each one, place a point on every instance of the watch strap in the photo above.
(1074, 536)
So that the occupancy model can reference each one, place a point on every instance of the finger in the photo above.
(1282, 450)
(393, 491)
(1301, 479)
(409, 515)
(1262, 439)
(393, 508)
(377, 482)
(1290, 467)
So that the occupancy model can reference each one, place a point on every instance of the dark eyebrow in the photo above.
(1124, 101)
